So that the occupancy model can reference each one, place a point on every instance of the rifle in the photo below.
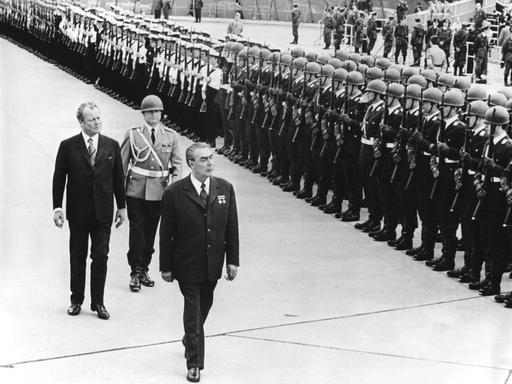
(302, 108)
(234, 69)
(135, 60)
(467, 133)
(183, 92)
(177, 61)
(153, 67)
(161, 82)
(285, 109)
(490, 154)
(442, 139)
(419, 128)
(400, 142)
(345, 111)
(204, 104)
(194, 81)
(257, 92)
(271, 83)
(246, 91)
(329, 117)
(277, 86)
(124, 67)
(384, 119)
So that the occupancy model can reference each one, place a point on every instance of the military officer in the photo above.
(435, 58)
(151, 159)
(459, 46)
(401, 35)
(417, 39)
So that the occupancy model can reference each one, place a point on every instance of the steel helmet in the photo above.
(363, 69)
(313, 68)
(349, 65)
(432, 95)
(311, 56)
(242, 55)
(323, 58)
(327, 70)
(377, 86)
(395, 90)
(286, 59)
(446, 79)
(374, 73)
(391, 75)
(398, 67)
(297, 52)
(509, 104)
(342, 55)
(453, 98)
(497, 99)
(409, 71)
(476, 92)
(413, 91)
(274, 57)
(418, 79)
(355, 78)
(299, 63)
(340, 74)
(382, 63)
(507, 92)
(254, 51)
(355, 57)
(368, 60)
(237, 47)
(429, 75)
(478, 108)
(226, 48)
(265, 54)
(497, 115)
(462, 83)
(335, 62)
(151, 103)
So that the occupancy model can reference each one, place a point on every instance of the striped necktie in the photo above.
(91, 150)
(203, 195)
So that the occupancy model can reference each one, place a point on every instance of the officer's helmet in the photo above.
(395, 90)
(497, 115)
(151, 103)
(391, 75)
(418, 79)
(374, 73)
(453, 98)
(476, 92)
(335, 62)
(497, 99)
(478, 108)
(377, 86)
(432, 95)
(355, 78)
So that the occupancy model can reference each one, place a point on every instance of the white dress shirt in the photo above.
(197, 184)
(94, 140)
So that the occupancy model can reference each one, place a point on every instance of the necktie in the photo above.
(153, 135)
(203, 195)
(91, 150)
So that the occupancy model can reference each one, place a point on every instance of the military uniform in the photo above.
(459, 45)
(371, 33)
(296, 14)
(401, 40)
(388, 36)
(445, 38)
(417, 37)
(481, 47)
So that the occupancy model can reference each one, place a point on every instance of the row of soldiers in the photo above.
(414, 143)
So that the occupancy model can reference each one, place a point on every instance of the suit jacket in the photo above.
(88, 188)
(194, 240)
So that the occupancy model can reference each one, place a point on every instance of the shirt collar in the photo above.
(394, 108)
(451, 120)
(149, 127)
(478, 130)
(94, 139)
(197, 184)
(499, 138)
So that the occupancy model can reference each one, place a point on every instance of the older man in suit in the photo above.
(199, 228)
(92, 165)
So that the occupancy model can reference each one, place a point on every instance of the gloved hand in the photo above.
(508, 194)
(488, 163)
(376, 150)
(464, 156)
(416, 136)
(434, 167)
(458, 178)
(442, 147)
(479, 187)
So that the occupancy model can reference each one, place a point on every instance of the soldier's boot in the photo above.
(135, 280)
(304, 193)
(477, 285)
(414, 251)
(501, 298)
(458, 272)
(145, 280)
(363, 225)
(387, 235)
(469, 277)
(491, 289)
(259, 168)
(424, 255)
(318, 200)
(377, 232)
(446, 265)
(352, 215)
(434, 262)
(333, 207)
(374, 227)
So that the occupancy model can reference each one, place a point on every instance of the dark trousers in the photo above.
(198, 299)
(144, 216)
(426, 206)
(198, 15)
(407, 198)
(400, 48)
(158, 13)
(370, 183)
(387, 49)
(295, 33)
(371, 44)
(78, 244)
(416, 53)
(353, 177)
(448, 221)
(388, 192)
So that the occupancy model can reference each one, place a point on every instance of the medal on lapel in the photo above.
(221, 199)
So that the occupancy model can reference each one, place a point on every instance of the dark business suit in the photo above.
(193, 242)
(89, 207)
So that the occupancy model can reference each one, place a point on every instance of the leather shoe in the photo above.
(478, 284)
(502, 297)
(101, 310)
(317, 201)
(444, 265)
(135, 282)
(145, 280)
(395, 241)
(374, 227)
(74, 309)
(508, 303)
(303, 193)
(386, 235)
(458, 272)
(434, 262)
(363, 225)
(279, 180)
(194, 375)
(291, 187)
(469, 278)
(404, 244)
(350, 216)
(332, 207)
(414, 251)
(259, 168)
(286, 185)
(490, 290)
(424, 256)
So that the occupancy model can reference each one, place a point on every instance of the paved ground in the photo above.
(315, 300)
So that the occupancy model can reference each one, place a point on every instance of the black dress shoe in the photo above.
(101, 311)
(469, 278)
(273, 173)
(445, 265)
(194, 375)
(395, 241)
(363, 225)
(251, 164)
(478, 285)
(259, 168)
(374, 227)
(458, 272)
(502, 297)
(385, 235)
(74, 309)
(424, 255)
(434, 262)
(377, 232)
(351, 216)
(291, 187)
(134, 282)
(146, 280)
(508, 302)
(332, 207)
(490, 290)
(303, 193)
(318, 200)
(404, 244)
(280, 180)
(414, 251)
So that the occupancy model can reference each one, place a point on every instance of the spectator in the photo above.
(236, 27)
(296, 14)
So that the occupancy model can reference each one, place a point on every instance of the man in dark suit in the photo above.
(92, 165)
(199, 227)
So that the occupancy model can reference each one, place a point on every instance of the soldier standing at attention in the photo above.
(417, 38)
(296, 14)
(328, 23)
(371, 33)
(445, 40)
(151, 160)
(507, 59)
(401, 40)
(435, 56)
(479, 16)
(388, 32)
(481, 48)
(459, 45)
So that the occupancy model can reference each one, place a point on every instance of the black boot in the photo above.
(333, 207)
(386, 235)
(404, 244)
(363, 225)
(414, 251)
(352, 215)
(304, 193)
(424, 255)
(456, 273)
(318, 200)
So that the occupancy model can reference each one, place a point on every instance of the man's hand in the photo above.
(231, 271)
(58, 218)
(120, 217)
(168, 276)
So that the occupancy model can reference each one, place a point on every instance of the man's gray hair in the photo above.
(189, 154)
(80, 111)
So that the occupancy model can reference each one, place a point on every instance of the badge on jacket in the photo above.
(221, 199)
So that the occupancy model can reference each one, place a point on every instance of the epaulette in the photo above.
(169, 129)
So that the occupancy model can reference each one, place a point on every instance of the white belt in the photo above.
(471, 172)
(390, 145)
(427, 154)
(449, 161)
(367, 141)
(495, 179)
(148, 173)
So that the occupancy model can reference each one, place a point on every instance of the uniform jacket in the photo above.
(418, 35)
(507, 51)
(459, 43)
(88, 188)
(195, 240)
(167, 150)
(296, 14)
(401, 34)
(371, 29)
(445, 39)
